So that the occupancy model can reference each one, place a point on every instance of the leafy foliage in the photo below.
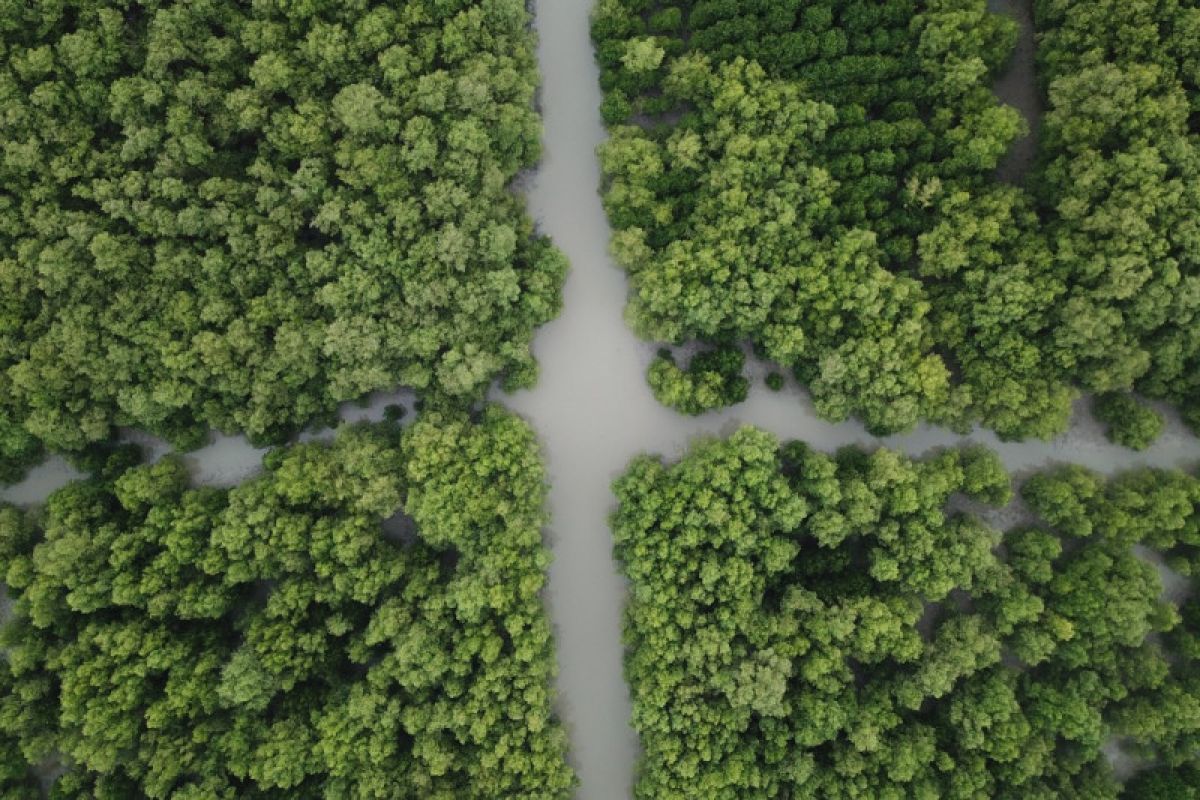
(994, 291)
(268, 641)
(18, 450)
(788, 198)
(241, 214)
(908, 80)
(1121, 190)
(1164, 784)
(713, 379)
(1129, 422)
(818, 177)
(809, 626)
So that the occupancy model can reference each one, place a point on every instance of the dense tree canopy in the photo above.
(907, 80)
(819, 178)
(785, 199)
(812, 626)
(713, 379)
(1120, 186)
(270, 641)
(238, 214)
(1130, 423)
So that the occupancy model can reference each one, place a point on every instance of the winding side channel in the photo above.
(594, 411)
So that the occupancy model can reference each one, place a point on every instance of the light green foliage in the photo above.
(642, 55)
(713, 379)
(1109, 601)
(268, 641)
(993, 292)
(824, 627)
(238, 215)
(759, 574)
(1129, 422)
(984, 476)
(813, 145)
(754, 265)
(748, 156)
(1120, 189)
(974, 302)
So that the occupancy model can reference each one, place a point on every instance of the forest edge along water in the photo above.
(594, 412)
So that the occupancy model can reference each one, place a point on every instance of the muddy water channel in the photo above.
(594, 411)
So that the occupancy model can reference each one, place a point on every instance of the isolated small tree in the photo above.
(713, 379)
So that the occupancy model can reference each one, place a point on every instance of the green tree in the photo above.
(981, 304)
(713, 379)
(1129, 423)
(221, 215)
(826, 626)
(268, 641)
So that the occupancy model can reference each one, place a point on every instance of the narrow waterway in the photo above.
(1017, 86)
(594, 411)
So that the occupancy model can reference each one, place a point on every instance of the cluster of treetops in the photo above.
(803, 625)
(236, 215)
(270, 641)
(819, 177)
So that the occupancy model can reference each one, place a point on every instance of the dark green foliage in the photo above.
(813, 147)
(78, 784)
(819, 627)
(16, 780)
(268, 642)
(1164, 784)
(908, 80)
(774, 382)
(824, 186)
(1120, 190)
(1150, 692)
(238, 215)
(1129, 422)
(713, 379)
(18, 449)
(756, 267)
